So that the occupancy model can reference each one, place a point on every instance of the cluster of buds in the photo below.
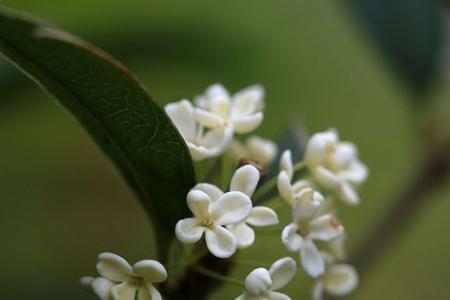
(225, 215)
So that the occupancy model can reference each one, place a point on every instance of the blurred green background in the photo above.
(61, 203)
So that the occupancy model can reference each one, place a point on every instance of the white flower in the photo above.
(338, 279)
(245, 180)
(335, 165)
(261, 283)
(289, 191)
(212, 210)
(256, 149)
(200, 143)
(306, 227)
(241, 112)
(121, 281)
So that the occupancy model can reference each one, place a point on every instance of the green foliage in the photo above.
(111, 104)
(410, 33)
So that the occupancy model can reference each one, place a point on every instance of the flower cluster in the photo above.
(225, 212)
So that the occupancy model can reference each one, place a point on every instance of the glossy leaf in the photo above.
(133, 131)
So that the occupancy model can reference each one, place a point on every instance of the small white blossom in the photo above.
(256, 149)
(308, 226)
(245, 180)
(261, 283)
(335, 165)
(289, 191)
(201, 143)
(338, 280)
(241, 112)
(212, 210)
(121, 281)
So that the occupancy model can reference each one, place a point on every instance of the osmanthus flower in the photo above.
(242, 112)
(213, 210)
(261, 283)
(245, 180)
(289, 191)
(202, 143)
(338, 280)
(335, 165)
(307, 227)
(121, 281)
(256, 149)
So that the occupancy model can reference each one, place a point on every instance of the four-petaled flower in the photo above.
(335, 165)
(338, 280)
(289, 191)
(202, 143)
(245, 180)
(212, 210)
(261, 283)
(121, 281)
(241, 112)
(306, 227)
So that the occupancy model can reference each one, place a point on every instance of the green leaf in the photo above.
(133, 131)
(410, 33)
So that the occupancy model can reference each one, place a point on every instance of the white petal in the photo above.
(217, 140)
(308, 201)
(291, 239)
(182, 115)
(258, 282)
(299, 185)
(199, 153)
(316, 148)
(150, 270)
(245, 124)
(220, 242)
(113, 267)
(347, 194)
(218, 99)
(356, 174)
(243, 297)
(208, 119)
(189, 230)
(211, 190)
(286, 163)
(86, 281)
(199, 204)
(123, 291)
(285, 188)
(325, 228)
(340, 280)
(231, 208)
(245, 180)
(155, 294)
(262, 216)
(244, 234)
(343, 155)
(311, 259)
(143, 293)
(326, 178)
(277, 296)
(282, 271)
(337, 247)
(317, 291)
(248, 100)
(102, 287)
(261, 150)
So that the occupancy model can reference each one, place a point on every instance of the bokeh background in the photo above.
(373, 69)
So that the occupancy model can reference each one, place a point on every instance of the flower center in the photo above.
(303, 230)
(137, 281)
(207, 222)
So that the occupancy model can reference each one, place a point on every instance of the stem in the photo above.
(217, 276)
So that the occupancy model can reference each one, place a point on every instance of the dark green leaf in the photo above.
(112, 105)
(409, 32)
